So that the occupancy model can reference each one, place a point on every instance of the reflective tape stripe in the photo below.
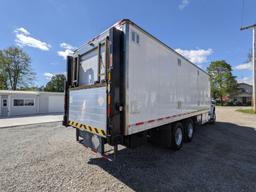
(88, 128)
(163, 118)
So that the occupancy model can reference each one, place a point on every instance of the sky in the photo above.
(201, 30)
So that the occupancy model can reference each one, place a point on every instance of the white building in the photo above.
(18, 103)
(244, 94)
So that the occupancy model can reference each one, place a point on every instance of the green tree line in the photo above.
(16, 73)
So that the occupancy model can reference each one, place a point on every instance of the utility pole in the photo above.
(253, 27)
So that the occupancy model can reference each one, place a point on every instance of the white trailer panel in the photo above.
(161, 84)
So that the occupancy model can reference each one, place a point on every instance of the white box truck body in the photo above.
(124, 85)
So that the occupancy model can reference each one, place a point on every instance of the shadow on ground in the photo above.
(221, 157)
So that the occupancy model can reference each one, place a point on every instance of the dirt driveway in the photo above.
(229, 114)
(45, 157)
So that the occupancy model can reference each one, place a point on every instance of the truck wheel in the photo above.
(177, 136)
(213, 119)
(189, 130)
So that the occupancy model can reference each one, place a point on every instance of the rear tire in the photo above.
(189, 130)
(213, 119)
(177, 136)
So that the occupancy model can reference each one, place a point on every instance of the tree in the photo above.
(3, 84)
(3, 76)
(56, 84)
(15, 68)
(223, 82)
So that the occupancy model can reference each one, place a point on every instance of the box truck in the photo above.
(125, 87)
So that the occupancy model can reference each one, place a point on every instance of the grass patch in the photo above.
(249, 111)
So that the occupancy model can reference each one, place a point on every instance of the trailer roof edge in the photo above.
(128, 21)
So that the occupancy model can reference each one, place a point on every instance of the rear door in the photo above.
(95, 93)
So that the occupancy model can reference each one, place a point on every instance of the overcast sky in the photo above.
(201, 30)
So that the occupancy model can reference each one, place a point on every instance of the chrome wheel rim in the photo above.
(190, 130)
(178, 136)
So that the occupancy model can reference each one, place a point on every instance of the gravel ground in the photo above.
(222, 157)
